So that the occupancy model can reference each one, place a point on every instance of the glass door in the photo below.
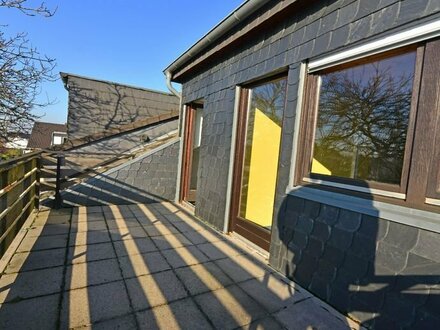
(192, 142)
(256, 160)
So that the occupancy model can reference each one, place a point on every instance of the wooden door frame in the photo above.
(254, 233)
(251, 231)
(187, 154)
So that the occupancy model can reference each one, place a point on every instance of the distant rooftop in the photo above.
(41, 135)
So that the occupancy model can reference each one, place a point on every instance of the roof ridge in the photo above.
(65, 75)
(48, 122)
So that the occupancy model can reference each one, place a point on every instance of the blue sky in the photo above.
(125, 41)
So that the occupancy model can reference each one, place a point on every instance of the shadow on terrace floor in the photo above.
(106, 190)
(146, 266)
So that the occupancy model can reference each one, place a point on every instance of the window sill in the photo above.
(367, 190)
(404, 215)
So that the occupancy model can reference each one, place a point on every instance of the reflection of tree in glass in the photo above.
(363, 119)
(270, 99)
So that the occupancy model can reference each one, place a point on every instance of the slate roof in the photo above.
(97, 106)
(41, 135)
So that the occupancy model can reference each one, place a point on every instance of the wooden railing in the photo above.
(59, 171)
(44, 175)
(19, 194)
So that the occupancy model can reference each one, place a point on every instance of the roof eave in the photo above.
(243, 11)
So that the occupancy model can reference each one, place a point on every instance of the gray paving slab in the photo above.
(87, 226)
(219, 250)
(92, 273)
(144, 220)
(202, 236)
(87, 217)
(92, 252)
(91, 217)
(87, 210)
(309, 315)
(122, 223)
(49, 230)
(203, 278)
(164, 208)
(92, 304)
(272, 292)
(30, 284)
(127, 322)
(184, 227)
(36, 260)
(142, 264)
(243, 267)
(154, 290)
(118, 214)
(230, 307)
(36, 243)
(37, 313)
(184, 256)
(94, 216)
(118, 234)
(134, 246)
(182, 314)
(170, 241)
(53, 219)
(88, 237)
(266, 323)
(159, 229)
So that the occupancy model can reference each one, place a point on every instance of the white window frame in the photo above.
(402, 214)
(404, 38)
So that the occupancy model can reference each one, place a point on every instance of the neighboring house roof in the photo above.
(97, 106)
(41, 135)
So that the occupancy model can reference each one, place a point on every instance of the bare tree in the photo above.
(22, 71)
(270, 99)
(365, 117)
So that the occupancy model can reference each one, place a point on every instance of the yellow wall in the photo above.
(263, 170)
(318, 168)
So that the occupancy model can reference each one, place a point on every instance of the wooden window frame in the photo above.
(408, 192)
(433, 188)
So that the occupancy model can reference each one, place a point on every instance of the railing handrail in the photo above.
(19, 194)
(19, 160)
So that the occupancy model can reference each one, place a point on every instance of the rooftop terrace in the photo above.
(145, 266)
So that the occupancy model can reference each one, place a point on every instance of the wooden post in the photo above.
(37, 184)
(58, 198)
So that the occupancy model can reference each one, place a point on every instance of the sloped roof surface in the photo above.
(41, 135)
(96, 106)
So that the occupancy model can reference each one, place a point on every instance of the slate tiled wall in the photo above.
(96, 106)
(124, 142)
(320, 28)
(382, 273)
(362, 265)
(134, 182)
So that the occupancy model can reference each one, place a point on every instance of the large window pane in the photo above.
(263, 137)
(362, 120)
(197, 137)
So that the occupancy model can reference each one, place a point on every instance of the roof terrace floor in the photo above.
(146, 267)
